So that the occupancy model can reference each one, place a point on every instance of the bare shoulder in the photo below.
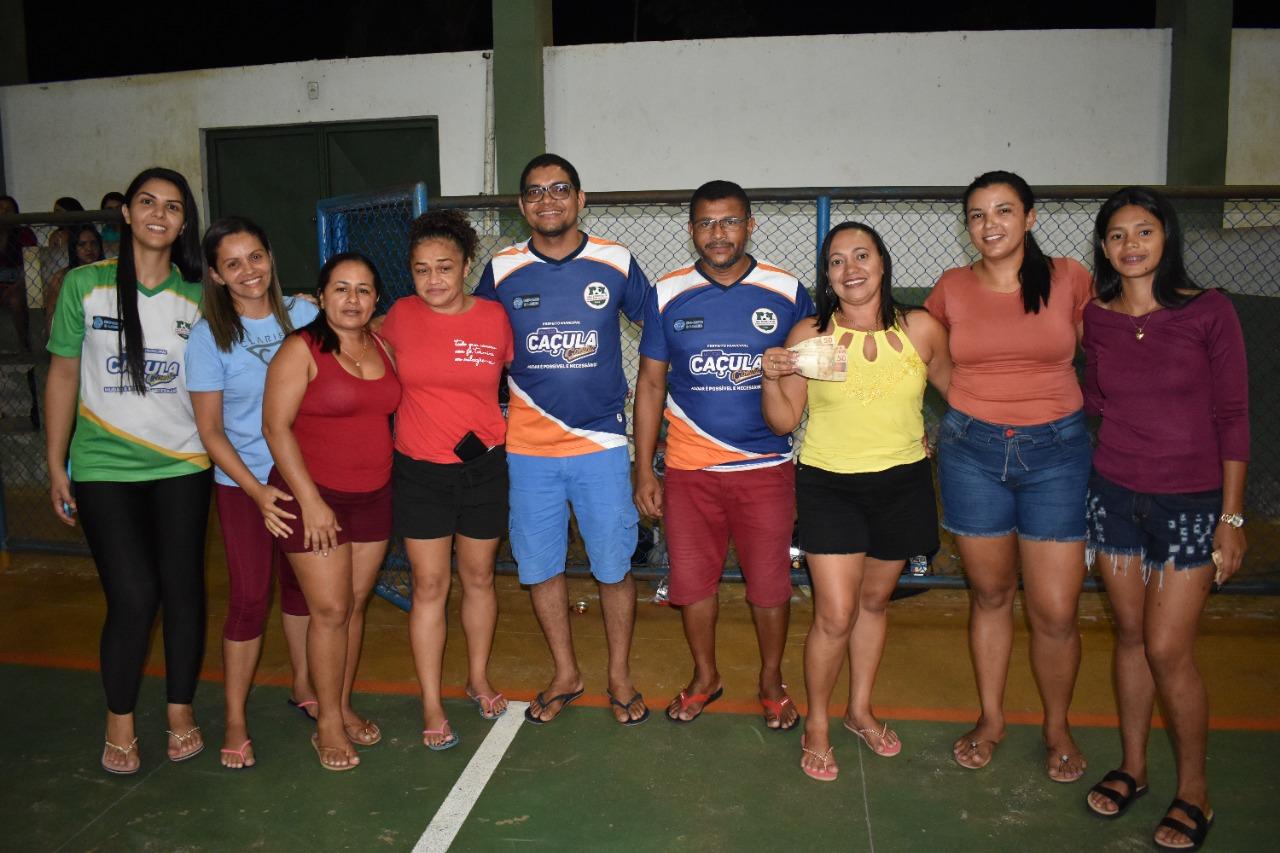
(803, 331)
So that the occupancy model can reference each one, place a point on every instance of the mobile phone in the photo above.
(470, 447)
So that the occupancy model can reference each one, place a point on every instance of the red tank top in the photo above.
(343, 426)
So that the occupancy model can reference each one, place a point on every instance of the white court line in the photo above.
(453, 812)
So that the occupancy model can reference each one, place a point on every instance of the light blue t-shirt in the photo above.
(241, 376)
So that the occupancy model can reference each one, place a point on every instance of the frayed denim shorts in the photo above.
(1158, 529)
(998, 479)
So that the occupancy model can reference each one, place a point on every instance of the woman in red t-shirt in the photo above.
(331, 389)
(450, 469)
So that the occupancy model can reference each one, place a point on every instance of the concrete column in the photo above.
(521, 29)
(1199, 89)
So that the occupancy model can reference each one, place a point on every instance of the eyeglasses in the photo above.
(558, 191)
(729, 223)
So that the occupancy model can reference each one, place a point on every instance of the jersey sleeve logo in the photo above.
(531, 300)
(108, 324)
(764, 320)
(571, 345)
(596, 295)
(737, 367)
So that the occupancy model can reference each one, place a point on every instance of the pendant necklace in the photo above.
(1139, 330)
(363, 349)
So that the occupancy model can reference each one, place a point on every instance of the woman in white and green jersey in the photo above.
(139, 476)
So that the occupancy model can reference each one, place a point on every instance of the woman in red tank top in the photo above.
(326, 412)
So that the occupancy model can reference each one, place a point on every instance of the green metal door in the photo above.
(275, 176)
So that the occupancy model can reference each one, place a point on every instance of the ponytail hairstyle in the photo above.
(218, 306)
(1036, 270)
(184, 253)
(319, 329)
(1171, 279)
(825, 297)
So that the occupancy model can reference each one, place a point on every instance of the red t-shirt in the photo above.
(450, 366)
(1012, 367)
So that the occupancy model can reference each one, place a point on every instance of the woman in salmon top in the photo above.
(1013, 459)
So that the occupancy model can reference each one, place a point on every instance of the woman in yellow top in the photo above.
(864, 489)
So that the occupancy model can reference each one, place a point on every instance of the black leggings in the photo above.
(147, 540)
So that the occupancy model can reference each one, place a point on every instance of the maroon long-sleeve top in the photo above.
(1175, 402)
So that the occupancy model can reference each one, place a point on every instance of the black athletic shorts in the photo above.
(432, 500)
(888, 515)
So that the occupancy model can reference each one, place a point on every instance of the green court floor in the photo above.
(723, 783)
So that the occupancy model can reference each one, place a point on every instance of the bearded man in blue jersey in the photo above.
(565, 292)
(727, 475)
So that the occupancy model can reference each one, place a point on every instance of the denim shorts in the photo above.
(598, 485)
(1164, 529)
(998, 479)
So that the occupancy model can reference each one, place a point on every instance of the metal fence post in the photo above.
(822, 224)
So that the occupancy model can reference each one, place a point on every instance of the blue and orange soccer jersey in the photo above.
(566, 381)
(712, 336)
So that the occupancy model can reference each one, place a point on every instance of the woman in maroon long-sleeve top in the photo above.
(1166, 371)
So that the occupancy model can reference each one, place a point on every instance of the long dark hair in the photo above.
(824, 296)
(319, 329)
(218, 306)
(184, 253)
(1036, 270)
(73, 259)
(1171, 277)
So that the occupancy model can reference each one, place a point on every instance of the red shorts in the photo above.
(703, 509)
(363, 516)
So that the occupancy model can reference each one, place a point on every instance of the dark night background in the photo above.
(69, 42)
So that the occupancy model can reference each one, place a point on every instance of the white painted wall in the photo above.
(1060, 107)
(87, 137)
(1253, 140)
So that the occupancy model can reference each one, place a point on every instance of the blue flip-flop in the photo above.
(626, 707)
(566, 699)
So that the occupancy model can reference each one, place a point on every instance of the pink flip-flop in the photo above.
(244, 762)
(827, 772)
(889, 751)
(485, 703)
(303, 706)
(448, 743)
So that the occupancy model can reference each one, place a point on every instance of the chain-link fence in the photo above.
(1232, 241)
(35, 252)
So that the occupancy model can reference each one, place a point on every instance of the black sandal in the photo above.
(1122, 801)
(1195, 835)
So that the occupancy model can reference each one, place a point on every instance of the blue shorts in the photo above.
(1164, 529)
(598, 485)
(997, 479)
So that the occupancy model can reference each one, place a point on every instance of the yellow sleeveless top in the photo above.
(873, 420)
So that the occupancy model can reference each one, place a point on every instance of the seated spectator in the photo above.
(13, 294)
(61, 236)
(85, 249)
(111, 231)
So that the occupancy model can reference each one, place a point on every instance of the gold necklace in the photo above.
(1139, 331)
(363, 350)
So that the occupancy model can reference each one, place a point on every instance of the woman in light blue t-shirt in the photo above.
(246, 318)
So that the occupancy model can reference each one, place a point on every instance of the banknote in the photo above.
(821, 358)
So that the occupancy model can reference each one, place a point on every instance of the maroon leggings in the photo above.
(251, 555)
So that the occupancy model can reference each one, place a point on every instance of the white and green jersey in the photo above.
(122, 436)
